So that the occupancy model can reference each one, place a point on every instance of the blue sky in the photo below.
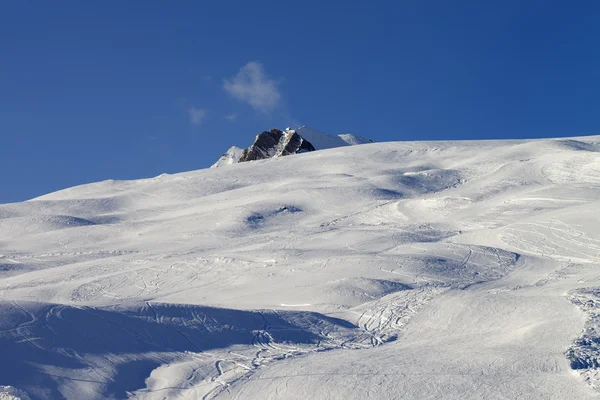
(130, 89)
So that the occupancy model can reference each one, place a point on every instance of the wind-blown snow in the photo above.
(420, 270)
(323, 141)
(231, 156)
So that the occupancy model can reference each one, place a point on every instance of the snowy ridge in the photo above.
(412, 270)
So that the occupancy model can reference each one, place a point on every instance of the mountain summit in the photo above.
(276, 143)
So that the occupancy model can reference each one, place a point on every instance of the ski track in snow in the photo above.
(437, 270)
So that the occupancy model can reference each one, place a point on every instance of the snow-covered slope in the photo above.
(424, 270)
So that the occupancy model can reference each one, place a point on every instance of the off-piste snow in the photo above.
(403, 270)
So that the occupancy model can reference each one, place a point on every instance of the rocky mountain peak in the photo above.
(277, 143)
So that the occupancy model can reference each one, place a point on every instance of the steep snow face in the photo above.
(231, 156)
(437, 270)
(275, 143)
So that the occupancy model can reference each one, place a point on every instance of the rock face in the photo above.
(293, 143)
(275, 143)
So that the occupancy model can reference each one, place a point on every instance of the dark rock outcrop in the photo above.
(275, 143)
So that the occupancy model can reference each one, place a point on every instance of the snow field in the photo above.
(417, 270)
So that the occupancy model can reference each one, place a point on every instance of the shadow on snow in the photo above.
(43, 345)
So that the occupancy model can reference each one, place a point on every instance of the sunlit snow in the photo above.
(405, 270)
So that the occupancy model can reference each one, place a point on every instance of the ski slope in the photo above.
(405, 270)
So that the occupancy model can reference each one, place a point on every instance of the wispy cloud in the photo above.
(253, 86)
(231, 117)
(196, 115)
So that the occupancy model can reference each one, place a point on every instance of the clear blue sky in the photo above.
(92, 90)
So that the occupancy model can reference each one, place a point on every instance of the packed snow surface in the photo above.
(423, 270)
